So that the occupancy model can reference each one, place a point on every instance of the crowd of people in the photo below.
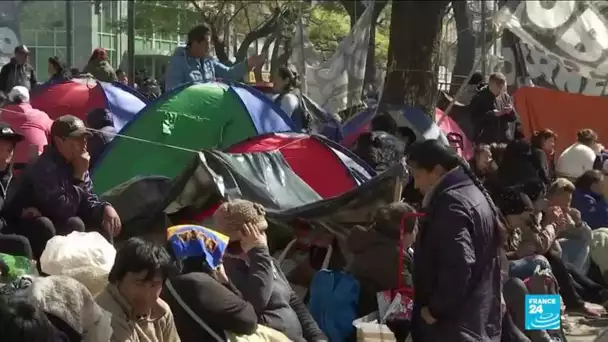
(475, 236)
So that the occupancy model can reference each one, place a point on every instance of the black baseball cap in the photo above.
(22, 49)
(8, 133)
(68, 126)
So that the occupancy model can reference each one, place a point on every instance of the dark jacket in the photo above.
(490, 128)
(101, 70)
(546, 165)
(593, 208)
(264, 285)
(520, 165)
(6, 179)
(457, 265)
(13, 74)
(101, 121)
(49, 186)
(218, 305)
(58, 78)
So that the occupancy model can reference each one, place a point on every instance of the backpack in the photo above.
(334, 298)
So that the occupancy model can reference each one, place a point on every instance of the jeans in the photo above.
(514, 292)
(575, 252)
(524, 268)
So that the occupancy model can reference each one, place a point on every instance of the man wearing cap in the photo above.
(56, 189)
(18, 72)
(34, 124)
(9, 243)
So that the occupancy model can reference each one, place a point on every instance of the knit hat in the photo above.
(188, 241)
(231, 217)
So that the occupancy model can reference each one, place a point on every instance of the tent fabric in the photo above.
(405, 116)
(167, 133)
(215, 176)
(564, 113)
(80, 96)
(448, 125)
(326, 167)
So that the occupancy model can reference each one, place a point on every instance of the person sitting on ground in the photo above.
(527, 239)
(22, 319)
(519, 166)
(483, 165)
(543, 149)
(34, 124)
(375, 260)
(193, 63)
(258, 277)
(579, 157)
(589, 199)
(133, 293)
(58, 71)
(102, 123)
(574, 238)
(55, 194)
(10, 243)
(204, 288)
(99, 66)
(71, 308)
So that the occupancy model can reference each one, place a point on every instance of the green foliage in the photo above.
(383, 25)
(326, 28)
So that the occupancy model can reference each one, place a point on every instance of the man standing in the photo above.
(492, 113)
(18, 72)
(193, 63)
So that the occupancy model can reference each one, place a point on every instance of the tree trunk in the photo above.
(465, 54)
(265, 30)
(413, 54)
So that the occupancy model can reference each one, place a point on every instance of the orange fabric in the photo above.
(564, 113)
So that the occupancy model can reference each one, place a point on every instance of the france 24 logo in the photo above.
(543, 312)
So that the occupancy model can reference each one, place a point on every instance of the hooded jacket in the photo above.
(49, 186)
(101, 121)
(101, 70)
(184, 68)
(13, 74)
(34, 124)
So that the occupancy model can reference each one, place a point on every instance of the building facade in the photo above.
(42, 28)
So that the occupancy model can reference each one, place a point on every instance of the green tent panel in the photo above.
(162, 137)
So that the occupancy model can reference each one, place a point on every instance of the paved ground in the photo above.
(581, 329)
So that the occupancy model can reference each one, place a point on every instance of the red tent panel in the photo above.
(308, 157)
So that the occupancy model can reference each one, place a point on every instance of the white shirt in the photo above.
(289, 103)
(575, 160)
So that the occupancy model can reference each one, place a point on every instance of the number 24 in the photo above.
(535, 309)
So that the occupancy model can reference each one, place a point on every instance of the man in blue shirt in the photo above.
(192, 62)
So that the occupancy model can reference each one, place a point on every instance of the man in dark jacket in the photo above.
(18, 71)
(457, 264)
(55, 193)
(492, 113)
(100, 120)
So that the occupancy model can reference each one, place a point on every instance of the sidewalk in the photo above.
(581, 329)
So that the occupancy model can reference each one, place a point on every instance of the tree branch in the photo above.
(265, 30)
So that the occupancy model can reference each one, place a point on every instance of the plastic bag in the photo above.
(86, 257)
(13, 267)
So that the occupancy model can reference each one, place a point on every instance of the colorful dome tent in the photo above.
(80, 96)
(449, 127)
(165, 134)
(328, 168)
(405, 116)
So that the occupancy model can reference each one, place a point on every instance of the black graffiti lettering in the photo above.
(586, 38)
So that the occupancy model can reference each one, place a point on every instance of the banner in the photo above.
(9, 29)
(564, 43)
(336, 84)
